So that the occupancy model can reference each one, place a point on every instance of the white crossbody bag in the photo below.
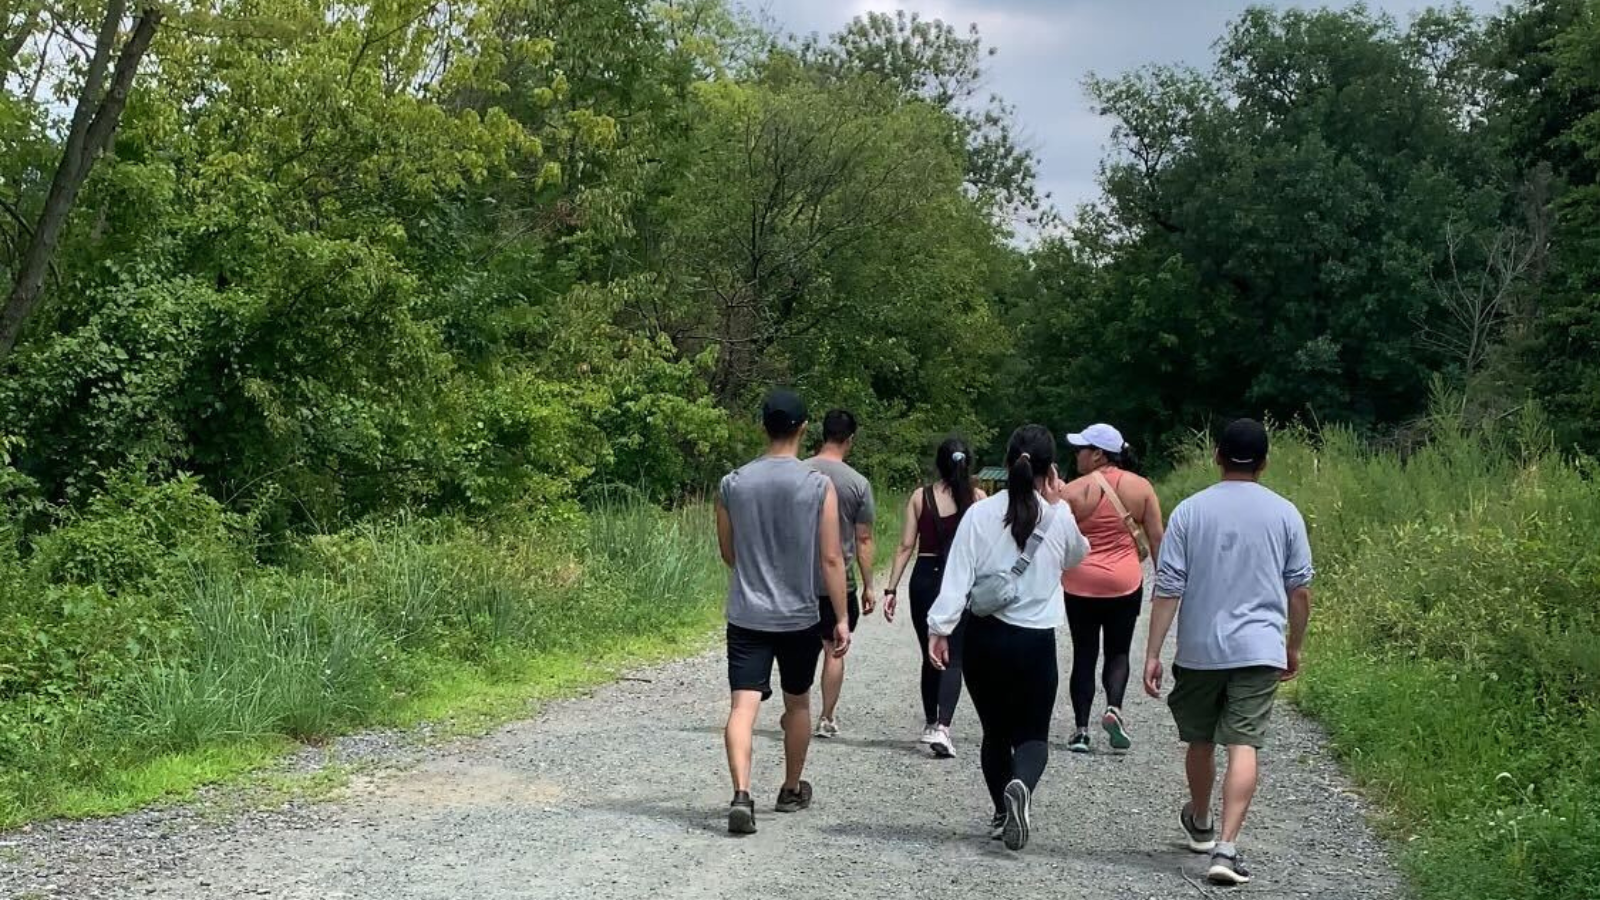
(994, 591)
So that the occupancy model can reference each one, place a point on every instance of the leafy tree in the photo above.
(930, 60)
(1270, 232)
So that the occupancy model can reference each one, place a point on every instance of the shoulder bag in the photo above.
(1141, 541)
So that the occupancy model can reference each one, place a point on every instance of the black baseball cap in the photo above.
(1243, 443)
(782, 412)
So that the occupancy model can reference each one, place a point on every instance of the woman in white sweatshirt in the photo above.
(1010, 655)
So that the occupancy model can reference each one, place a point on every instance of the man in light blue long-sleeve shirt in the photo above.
(1235, 571)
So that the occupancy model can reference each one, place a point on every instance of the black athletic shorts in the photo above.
(751, 655)
(828, 620)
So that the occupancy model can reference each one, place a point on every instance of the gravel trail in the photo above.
(622, 794)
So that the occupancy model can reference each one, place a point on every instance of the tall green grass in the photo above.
(1455, 648)
(376, 625)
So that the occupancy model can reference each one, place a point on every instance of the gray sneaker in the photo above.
(1201, 840)
(794, 800)
(742, 814)
(1014, 831)
(1227, 870)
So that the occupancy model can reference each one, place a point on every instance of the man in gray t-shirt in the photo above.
(856, 514)
(1235, 571)
(778, 530)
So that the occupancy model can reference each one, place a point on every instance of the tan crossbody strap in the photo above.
(1116, 503)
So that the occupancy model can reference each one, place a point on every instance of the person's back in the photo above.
(855, 504)
(1112, 568)
(774, 504)
(1235, 546)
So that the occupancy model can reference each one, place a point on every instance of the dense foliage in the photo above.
(1342, 210)
(338, 332)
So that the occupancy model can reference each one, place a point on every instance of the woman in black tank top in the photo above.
(931, 517)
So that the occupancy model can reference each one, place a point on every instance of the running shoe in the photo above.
(827, 728)
(1201, 840)
(742, 814)
(928, 731)
(941, 745)
(997, 826)
(794, 800)
(1019, 799)
(1080, 741)
(1227, 870)
(1112, 723)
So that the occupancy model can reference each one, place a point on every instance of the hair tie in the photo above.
(1025, 456)
(958, 457)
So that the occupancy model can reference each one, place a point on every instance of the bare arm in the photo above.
(1162, 611)
(724, 533)
(1155, 528)
(1172, 576)
(908, 541)
(864, 554)
(833, 571)
(1299, 619)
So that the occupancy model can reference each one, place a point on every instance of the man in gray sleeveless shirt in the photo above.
(778, 529)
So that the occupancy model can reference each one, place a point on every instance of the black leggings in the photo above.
(940, 690)
(1088, 617)
(1012, 677)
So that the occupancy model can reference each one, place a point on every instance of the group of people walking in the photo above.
(994, 579)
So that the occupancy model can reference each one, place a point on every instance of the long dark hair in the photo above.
(954, 462)
(1125, 459)
(1029, 456)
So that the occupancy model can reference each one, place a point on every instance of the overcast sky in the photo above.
(1046, 47)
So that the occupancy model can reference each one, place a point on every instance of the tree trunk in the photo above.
(94, 122)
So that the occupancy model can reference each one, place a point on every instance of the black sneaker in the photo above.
(1080, 741)
(1015, 830)
(1201, 840)
(997, 826)
(742, 814)
(1227, 870)
(794, 800)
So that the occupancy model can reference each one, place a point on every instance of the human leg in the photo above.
(1083, 621)
(986, 684)
(924, 591)
(797, 654)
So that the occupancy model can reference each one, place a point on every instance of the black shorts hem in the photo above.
(751, 655)
(826, 619)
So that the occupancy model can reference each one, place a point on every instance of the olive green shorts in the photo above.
(1230, 707)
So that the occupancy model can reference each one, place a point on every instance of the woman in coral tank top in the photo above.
(1105, 592)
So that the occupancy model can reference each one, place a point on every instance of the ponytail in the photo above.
(1029, 455)
(1022, 509)
(954, 462)
(1127, 460)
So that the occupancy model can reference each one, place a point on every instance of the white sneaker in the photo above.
(928, 732)
(941, 745)
(828, 728)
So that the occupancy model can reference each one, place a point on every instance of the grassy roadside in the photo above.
(378, 627)
(1454, 654)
